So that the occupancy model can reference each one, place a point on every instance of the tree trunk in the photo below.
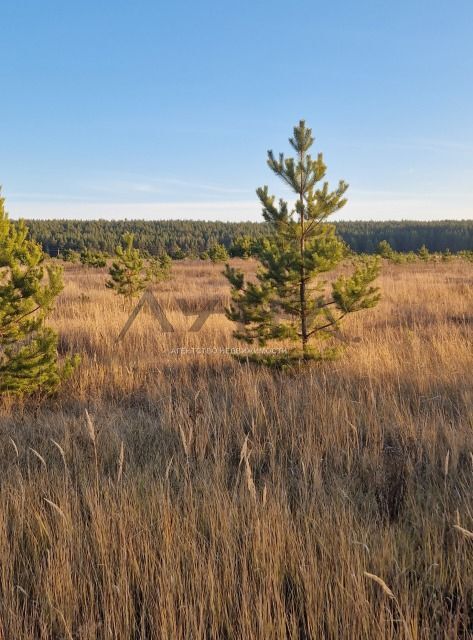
(302, 288)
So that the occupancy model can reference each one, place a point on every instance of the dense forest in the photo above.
(364, 237)
(176, 237)
(183, 237)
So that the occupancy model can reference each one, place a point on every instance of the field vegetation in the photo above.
(170, 491)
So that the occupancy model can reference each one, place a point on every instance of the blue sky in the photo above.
(149, 109)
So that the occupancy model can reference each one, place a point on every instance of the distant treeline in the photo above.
(154, 236)
(182, 237)
(443, 235)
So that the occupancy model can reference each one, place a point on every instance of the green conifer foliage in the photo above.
(128, 276)
(289, 300)
(94, 259)
(385, 250)
(71, 256)
(28, 349)
(159, 268)
(218, 253)
(242, 247)
(424, 253)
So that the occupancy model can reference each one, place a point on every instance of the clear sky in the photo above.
(152, 109)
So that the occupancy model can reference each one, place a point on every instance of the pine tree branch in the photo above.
(326, 326)
(18, 320)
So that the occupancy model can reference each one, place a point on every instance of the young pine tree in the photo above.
(128, 276)
(218, 253)
(94, 259)
(158, 268)
(242, 247)
(28, 289)
(385, 250)
(289, 299)
(424, 253)
(68, 255)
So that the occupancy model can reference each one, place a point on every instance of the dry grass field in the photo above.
(171, 492)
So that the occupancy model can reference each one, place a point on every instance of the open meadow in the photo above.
(168, 491)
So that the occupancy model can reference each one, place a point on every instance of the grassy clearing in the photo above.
(203, 498)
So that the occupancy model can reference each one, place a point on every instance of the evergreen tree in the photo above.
(128, 276)
(242, 247)
(218, 253)
(288, 301)
(158, 268)
(94, 259)
(447, 255)
(70, 256)
(385, 250)
(28, 289)
(176, 252)
(424, 253)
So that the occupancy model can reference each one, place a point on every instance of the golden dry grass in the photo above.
(184, 495)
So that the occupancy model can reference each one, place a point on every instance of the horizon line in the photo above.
(334, 221)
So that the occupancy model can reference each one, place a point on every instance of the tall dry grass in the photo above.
(170, 494)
